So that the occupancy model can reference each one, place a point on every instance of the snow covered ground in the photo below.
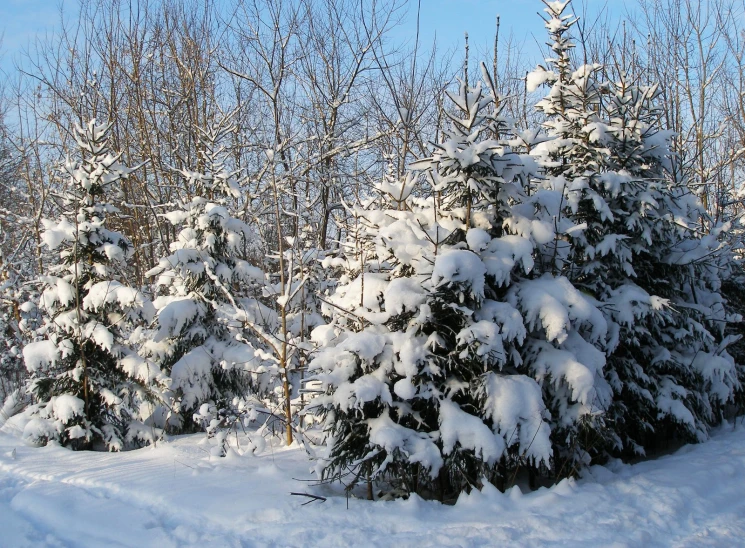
(176, 495)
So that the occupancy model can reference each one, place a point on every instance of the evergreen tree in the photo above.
(674, 374)
(16, 267)
(88, 383)
(210, 323)
(566, 202)
(570, 159)
(633, 247)
(439, 341)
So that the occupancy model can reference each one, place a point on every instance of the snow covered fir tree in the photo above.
(88, 385)
(442, 334)
(210, 336)
(18, 322)
(615, 167)
(673, 292)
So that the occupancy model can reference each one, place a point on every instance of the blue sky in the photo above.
(449, 19)
(22, 20)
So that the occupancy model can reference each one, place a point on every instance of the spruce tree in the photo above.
(662, 284)
(439, 339)
(17, 323)
(570, 159)
(635, 248)
(564, 197)
(210, 324)
(88, 384)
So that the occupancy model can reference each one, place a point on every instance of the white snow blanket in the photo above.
(177, 495)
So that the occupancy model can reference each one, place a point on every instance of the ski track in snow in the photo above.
(175, 495)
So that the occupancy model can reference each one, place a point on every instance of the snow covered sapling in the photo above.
(210, 337)
(88, 384)
(298, 310)
(570, 158)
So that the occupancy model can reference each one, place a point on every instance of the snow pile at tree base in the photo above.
(177, 495)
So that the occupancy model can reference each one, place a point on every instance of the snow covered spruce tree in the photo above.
(210, 326)
(671, 371)
(441, 335)
(89, 385)
(550, 217)
(569, 157)
(637, 251)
